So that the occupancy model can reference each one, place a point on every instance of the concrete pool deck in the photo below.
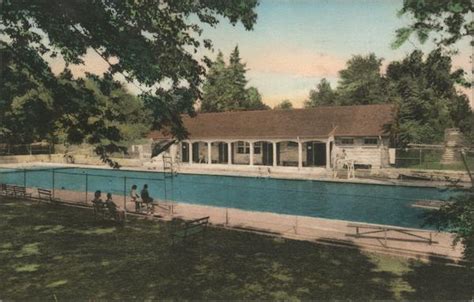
(318, 230)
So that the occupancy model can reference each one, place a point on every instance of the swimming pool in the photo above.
(371, 203)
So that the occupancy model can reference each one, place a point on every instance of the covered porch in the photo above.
(287, 152)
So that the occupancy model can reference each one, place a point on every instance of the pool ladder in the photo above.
(169, 172)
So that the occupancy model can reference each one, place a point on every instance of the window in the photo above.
(257, 148)
(347, 141)
(243, 148)
(371, 141)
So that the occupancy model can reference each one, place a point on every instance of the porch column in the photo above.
(190, 150)
(209, 159)
(251, 153)
(328, 156)
(229, 153)
(300, 154)
(274, 146)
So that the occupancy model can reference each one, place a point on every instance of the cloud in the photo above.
(296, 62)
(93, 63)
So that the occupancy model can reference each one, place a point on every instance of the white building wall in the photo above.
(374, 155)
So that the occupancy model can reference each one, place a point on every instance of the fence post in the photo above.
(296, 225)
(53, 184)
(226, 216)
(125, 194)
(87, 186)
(24, 178)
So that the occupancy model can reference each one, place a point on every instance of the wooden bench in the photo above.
(104, 212)
(20, 192)
(7, 190)
(373, 229)
(99, 209)
(45, 194)
(189, 229)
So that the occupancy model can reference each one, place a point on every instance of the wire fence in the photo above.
(434, 159)
(235, 200)
(26, 149)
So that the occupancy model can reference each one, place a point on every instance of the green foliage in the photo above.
(225, 87)
(457, 217)
(425, 92)
(323, 95)
(450, 20)
(149, 43)
(95, 110)
(285, 105)
(361, 83)
(424, 89)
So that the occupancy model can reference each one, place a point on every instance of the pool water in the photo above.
(370, 203)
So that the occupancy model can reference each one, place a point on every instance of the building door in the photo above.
(309, 154)
(185, 152)
(196, 152)
(267, 156)
(319, 151)
(315, 154)
(223, 152)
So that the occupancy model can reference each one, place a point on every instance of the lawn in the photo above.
(59, 253)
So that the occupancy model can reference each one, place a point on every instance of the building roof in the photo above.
(319, 122)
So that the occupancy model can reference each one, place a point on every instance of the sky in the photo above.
(294, 44)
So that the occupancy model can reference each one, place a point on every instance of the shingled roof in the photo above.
(320, 122)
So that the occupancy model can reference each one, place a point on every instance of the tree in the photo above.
(225, 87)
(361, 83)
(323, 95)
(457, 217)
(427, 98)
(29, 113)
(284, 105)
(215, 88)
(450, 20)
(237, 81)
(145, 42)
(254, 100)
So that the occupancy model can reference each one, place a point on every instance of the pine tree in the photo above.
(215, 88)
(225, 87)
(236, 74)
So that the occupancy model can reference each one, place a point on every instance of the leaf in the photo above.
(401, 36)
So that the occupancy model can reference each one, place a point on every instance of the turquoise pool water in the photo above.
(381, 204)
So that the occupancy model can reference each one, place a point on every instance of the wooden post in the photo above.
(385, 233)
(87, 186)
(53, 184)
(463, 155)
(296, 224)
(125, 194)
(226, 216)
(24, 178)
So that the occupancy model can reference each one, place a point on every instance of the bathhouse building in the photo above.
(295, 139)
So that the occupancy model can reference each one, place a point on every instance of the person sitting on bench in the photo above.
(97, 201)
(146, 197)
(117, 213)
(134, 196)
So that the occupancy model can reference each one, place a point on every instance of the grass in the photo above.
(56, 252)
